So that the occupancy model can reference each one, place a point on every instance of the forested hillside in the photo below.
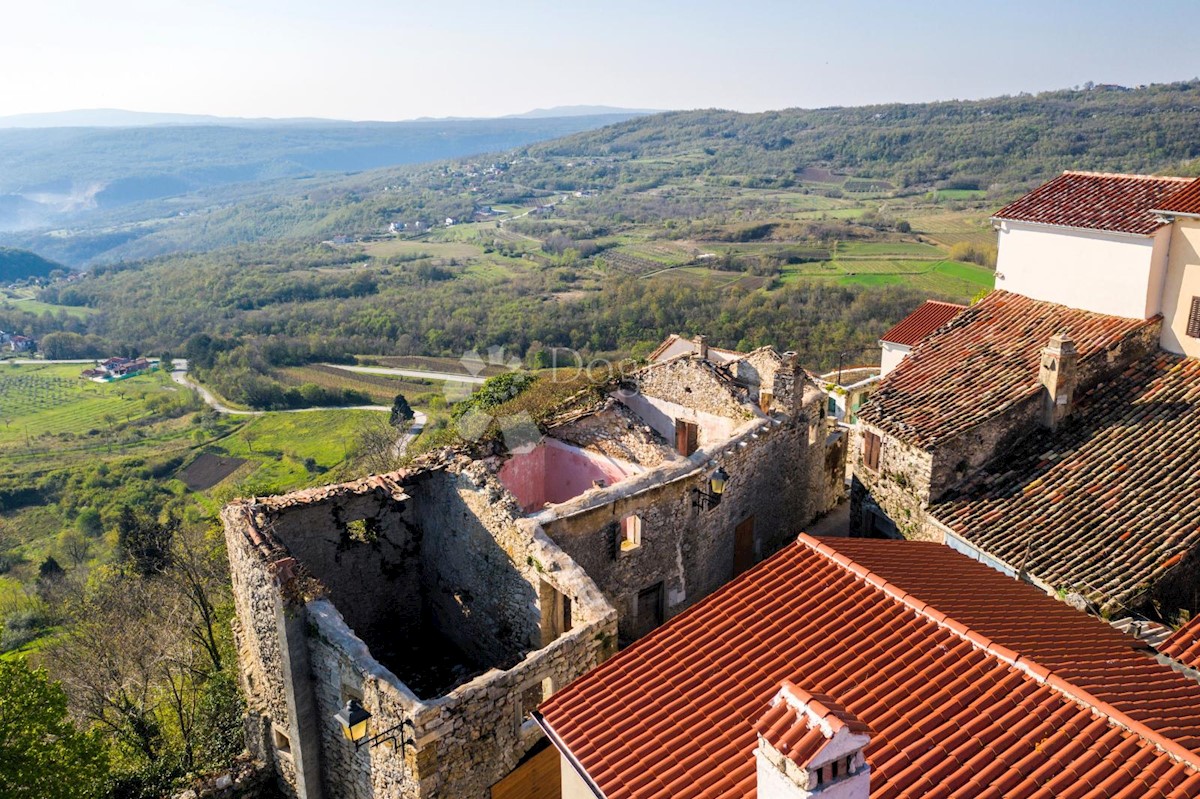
(1005, 140)
(21, 265)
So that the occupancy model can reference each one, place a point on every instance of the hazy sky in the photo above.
(371, 59)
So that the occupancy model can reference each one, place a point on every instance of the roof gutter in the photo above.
(566, 753)
(999, 221)
(1168, 216)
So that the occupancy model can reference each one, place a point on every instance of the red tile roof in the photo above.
(980, 364)
(955, 708)
(1096, 200)
(1108, 504)
(920, 323)
(1184, 644)
(1183, 201)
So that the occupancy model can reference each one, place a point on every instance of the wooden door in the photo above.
(649, 610)
(687, 437)
(743, 546)
(539, 777)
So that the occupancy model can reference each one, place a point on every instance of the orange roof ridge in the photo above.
(1129, 175)
(1038, 672)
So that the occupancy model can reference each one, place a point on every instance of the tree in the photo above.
(41, 753)
(378, 444)
(401, 411)
(144, 541)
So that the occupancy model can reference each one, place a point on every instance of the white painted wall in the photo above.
(891, 356)
(661, 415)
(1111, 273)
(573, 786)
(1182, 283)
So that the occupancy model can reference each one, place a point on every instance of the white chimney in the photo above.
(810, 747)
(702, 346)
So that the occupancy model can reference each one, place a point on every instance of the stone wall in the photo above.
(462, 743)
(482, 574)
(909, 479)
(782, 474)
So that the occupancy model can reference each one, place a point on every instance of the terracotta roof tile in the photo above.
(1184, 201)
(1110, 502)
(931, 315)
(1184, 644)
(1098, 201)
(981, 363)
(948, 716)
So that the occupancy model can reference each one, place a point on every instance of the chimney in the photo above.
(810, 747)
(702, 346)
(788, 387)
(1058, 375)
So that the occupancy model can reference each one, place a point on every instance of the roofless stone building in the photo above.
(442, 603)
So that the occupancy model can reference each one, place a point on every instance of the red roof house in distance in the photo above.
(912, 329)
(872, 668)
(1123, 245)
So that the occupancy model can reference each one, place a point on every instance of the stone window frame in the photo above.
(872, 448)
(629, 534)
(281, 741)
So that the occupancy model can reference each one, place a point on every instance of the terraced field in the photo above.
(50, 399)
(937, 277)
(381, 388)
(951, 227)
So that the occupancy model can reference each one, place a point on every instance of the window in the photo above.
(687, 435)
(282, 743)
(631, 533)
(1193, 325)
(871, 447)
(764, 401)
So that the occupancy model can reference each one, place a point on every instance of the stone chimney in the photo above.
(788, 388)
(702, 346)
(810, 747)
(1058, 375)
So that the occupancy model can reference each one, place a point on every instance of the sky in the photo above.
(389, 60)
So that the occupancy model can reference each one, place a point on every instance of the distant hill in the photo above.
(118, 118)
(1005, 140)
(580, 111)
(21, 264)
(49, 176)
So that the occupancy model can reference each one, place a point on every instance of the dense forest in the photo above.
(18, 265)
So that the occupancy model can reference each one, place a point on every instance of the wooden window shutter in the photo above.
(686, 437)
(871, 446)
(614, 539)
(1193, 325)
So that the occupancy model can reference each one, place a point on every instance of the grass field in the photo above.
(381, 388)
(951, 227)
(293, 450)
(41, 399)
(34, 306)
(875, 249)
(942, 277)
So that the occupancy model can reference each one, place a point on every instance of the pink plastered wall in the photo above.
(555, 472)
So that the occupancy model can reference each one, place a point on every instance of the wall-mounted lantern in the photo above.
(712, 497)
(355, 721)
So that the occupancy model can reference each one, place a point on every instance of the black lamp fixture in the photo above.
(355, 719)
(712, 497)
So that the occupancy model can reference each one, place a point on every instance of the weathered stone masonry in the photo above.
(302, 660)
(894, 498)
(458, 595)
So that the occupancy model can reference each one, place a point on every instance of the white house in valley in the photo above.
(1122, 245)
